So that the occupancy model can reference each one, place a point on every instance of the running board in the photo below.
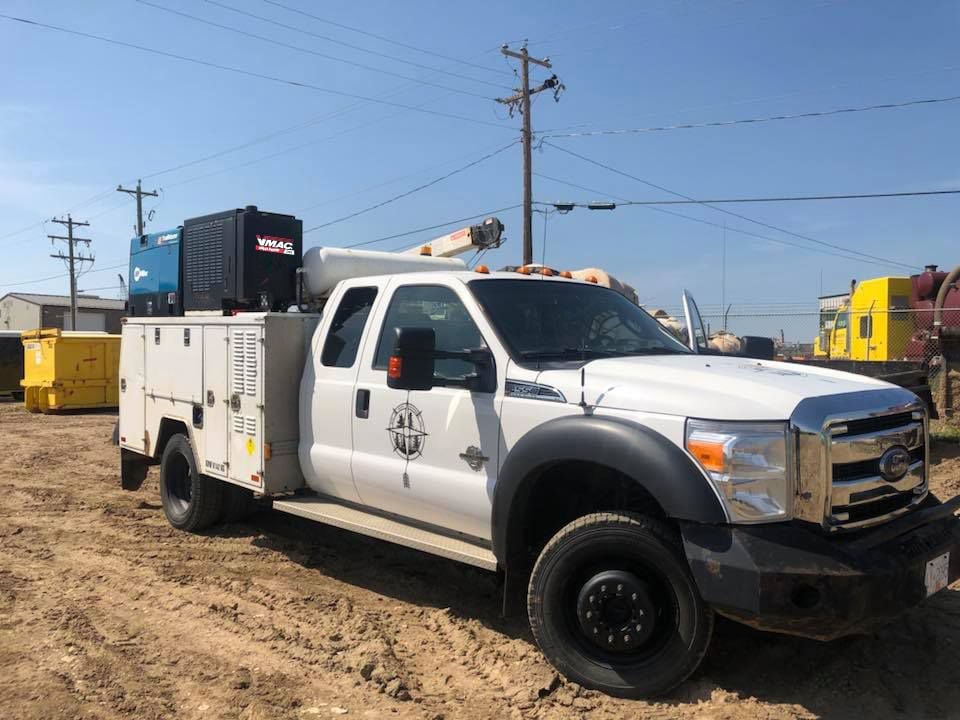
(330, 512)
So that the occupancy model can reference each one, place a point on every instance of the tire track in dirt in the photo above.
(106, 611)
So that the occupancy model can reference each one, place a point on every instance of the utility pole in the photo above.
(72, 259)
(521, 100)
(140, 195)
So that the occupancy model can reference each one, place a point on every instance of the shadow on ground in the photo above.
(908, 668)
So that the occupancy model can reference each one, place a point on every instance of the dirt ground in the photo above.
(107, 612)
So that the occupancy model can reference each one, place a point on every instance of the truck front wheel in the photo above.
(191, 501)
(613, 606)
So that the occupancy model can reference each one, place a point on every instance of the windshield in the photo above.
(552, 320)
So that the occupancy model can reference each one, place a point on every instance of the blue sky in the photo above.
(78, 116)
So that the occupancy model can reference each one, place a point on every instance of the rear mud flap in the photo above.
(133, 469)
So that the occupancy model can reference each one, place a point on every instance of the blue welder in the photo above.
(154, 276)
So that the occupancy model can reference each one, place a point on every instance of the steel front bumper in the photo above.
(793, 579)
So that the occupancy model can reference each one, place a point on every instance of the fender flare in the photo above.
(652, 460)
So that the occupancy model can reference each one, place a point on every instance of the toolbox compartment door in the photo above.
(216, 401)
(246, 406)
(132, 428)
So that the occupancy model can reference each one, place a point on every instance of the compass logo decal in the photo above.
(407, 432)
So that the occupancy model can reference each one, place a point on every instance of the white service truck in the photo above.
(548, 429)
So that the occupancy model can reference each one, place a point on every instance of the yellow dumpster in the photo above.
(69, 370)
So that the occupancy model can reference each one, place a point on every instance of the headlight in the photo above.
(748, 464)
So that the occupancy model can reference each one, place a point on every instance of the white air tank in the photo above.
(324, 267)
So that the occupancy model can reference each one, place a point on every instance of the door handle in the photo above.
(363, 403)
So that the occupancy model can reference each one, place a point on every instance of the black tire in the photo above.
(649, 629)
(191, 501)
(238, 503)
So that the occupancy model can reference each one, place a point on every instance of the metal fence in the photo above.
(881, 342)
(807, 333)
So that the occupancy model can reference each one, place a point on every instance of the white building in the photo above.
(28, 311)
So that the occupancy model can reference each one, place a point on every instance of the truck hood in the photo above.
(706, 386)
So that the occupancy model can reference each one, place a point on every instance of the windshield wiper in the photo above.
(593, 353)
(655, 351)
(566, 353)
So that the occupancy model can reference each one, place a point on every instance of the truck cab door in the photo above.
(428, 455)
(696, 332)
(327, 397)
(840, 341)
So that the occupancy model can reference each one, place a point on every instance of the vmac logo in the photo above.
(271, 244)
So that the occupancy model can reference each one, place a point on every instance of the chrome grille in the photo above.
(840, 440)
(859, 493)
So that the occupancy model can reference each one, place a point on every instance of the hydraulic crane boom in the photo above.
(484, 236)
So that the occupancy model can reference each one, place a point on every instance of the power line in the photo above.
(359, 48)
(775, 199)
(381, 184)
(317, 119)
(109, 210)
(413, 190)
(59, 277)
(769, 226)
(269, 136)
(235, 148)
(756, 120)
(309, 51)
(431, 227)
(41, 223)
(250, 73)
(232, 149)
(714, 27)
(103, 287)
(739, 231)
(386, 39)
(277, 153)
(33, 282)
(819, 90)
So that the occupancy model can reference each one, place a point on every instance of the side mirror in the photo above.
(411, 362)
(484, 379)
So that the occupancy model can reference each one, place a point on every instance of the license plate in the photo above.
(937, 575)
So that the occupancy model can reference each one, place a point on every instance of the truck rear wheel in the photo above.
(613, 606)
(191, 501)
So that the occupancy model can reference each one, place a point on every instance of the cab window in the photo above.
(346, 329)
(434, 307)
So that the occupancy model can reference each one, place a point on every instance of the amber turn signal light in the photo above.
(395, 367)
(708, 454)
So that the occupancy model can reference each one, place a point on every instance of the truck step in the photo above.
(331, 512)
